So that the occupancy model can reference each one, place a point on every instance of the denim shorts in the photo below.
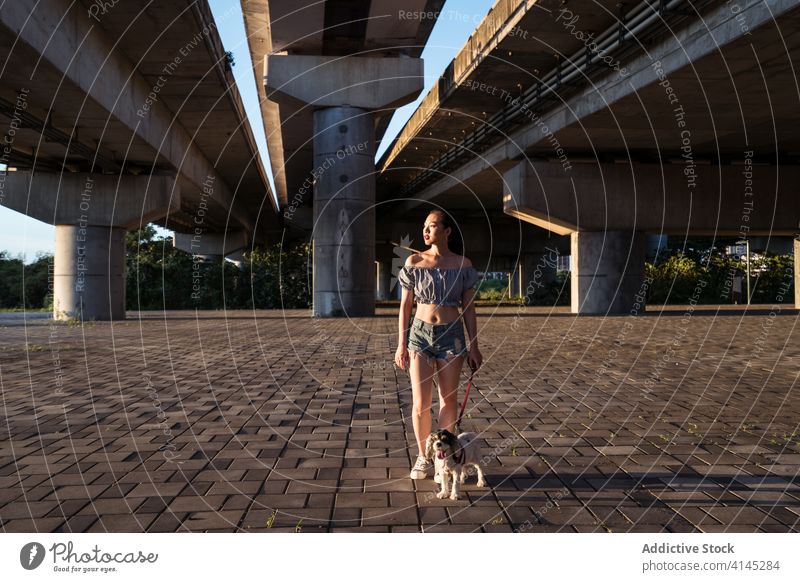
(437, 341)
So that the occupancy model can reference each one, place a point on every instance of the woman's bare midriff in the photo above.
(437, 314)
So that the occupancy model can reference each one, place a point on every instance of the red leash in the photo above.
(464, 404)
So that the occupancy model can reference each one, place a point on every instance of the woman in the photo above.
(439, 280)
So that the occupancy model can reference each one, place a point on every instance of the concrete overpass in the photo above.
(120, 114)
(606, 121)
(329, 76)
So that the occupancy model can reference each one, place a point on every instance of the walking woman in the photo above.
(439, 280)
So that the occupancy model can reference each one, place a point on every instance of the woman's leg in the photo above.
(421, 372)
(449, 374)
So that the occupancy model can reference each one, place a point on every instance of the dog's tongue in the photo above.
(439, 455)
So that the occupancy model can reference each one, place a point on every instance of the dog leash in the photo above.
(464, 404)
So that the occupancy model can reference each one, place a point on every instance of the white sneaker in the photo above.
(421, 468)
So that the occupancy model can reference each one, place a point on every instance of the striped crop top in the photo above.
(436, 285)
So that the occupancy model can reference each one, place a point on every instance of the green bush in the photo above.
(681, 275)
(163, 277)
(24, 286)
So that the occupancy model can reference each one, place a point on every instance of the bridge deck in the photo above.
(217, 422)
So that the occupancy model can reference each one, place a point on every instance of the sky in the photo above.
(26, 237)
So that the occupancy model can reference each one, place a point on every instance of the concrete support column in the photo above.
(383, 274)
(607, 271)
(344, 212)
(89, 272)
(516, 282)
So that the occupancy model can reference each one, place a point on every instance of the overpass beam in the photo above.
(346, 93)
(211, 243)
(657, 198)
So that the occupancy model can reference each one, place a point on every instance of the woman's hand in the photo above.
(474, 358)
(401, 357)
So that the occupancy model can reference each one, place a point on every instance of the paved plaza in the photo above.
(272, 421)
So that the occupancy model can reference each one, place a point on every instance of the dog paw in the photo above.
(441, 494)
(482, 483)
(455, 496)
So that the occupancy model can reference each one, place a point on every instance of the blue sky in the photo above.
(21, 235)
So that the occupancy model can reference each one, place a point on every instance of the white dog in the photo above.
(451, 456)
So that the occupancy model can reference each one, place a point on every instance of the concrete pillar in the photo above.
(607, 271)
(515, 280)
(344, 212)
(383, 275)
(89, 272)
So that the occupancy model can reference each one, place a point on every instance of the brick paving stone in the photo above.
(28, 510)
(38, 525)
(742, 515)
(273, 487)
(734, 528)
(78, 524)
(430, 515)
(235, 488)
(346, 516)
(567, 515)
(657, 516)
(475, 515)
(389, 516)
(196, 503)
(294, 500)
(200, 521)
(392, 485)
(76, 492)
(374, 529)
(452, 528)
(123, 523)
(157, 489)
(168, 522)
(781, 514)
(371, 499)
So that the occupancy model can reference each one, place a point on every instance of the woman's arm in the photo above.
(468, 313)
(406, 305)
(474, 358)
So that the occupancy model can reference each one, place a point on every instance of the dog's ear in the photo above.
(429, 446)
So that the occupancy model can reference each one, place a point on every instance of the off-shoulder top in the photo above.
(436, 285)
